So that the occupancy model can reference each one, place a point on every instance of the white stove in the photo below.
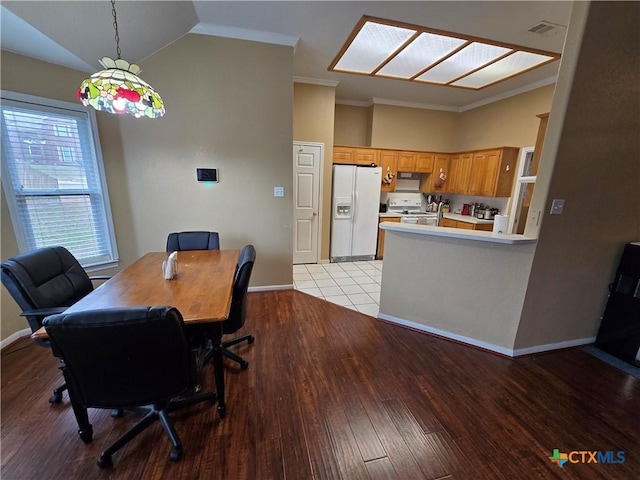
(410, 209)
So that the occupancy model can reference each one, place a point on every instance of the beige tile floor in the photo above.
(354, 285)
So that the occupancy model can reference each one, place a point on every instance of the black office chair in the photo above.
(123, 358)
(43, 282)
(238, 312)
(178, 241)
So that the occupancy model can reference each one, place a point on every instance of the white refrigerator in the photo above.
(354, 212)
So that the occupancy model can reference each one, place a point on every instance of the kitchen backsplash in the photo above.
(456, 202)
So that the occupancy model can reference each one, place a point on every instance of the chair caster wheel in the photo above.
(56, 398)
(86, 435)
(251, 339)
(104, 461)
(222, 411)
(244, 365)
(175, 455)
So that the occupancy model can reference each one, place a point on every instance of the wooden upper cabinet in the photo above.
(406, 161)
(424, 162)
(419, 162)
(492, 172)
(355, 156)
(389, 163)
(459, 173)
(441, 163)
(487, 173)
(343, 155)
(366, 156)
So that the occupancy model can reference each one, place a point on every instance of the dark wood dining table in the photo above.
(201, 291)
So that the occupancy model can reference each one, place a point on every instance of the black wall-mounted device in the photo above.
(207, 174)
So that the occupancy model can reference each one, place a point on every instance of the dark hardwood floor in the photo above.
(334, 394)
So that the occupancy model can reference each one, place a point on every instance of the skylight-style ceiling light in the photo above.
(382, 48)
(118, 89)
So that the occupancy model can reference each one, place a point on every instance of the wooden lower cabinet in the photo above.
(381, 233)
(447, 222)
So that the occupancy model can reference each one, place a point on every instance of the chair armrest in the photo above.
(43, 312)
(101, 277)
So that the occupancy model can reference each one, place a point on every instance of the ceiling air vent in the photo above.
(545, 28)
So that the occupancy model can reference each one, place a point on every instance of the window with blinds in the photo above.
(54, 179)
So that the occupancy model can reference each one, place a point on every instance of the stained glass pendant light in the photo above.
(118, 89)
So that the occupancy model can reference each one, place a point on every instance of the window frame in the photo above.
(521, 180)
(41, 104)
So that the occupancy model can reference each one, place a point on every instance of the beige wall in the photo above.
(412, 128)
(24, 75)
(351, 125)
(466, 288)
(313, 120)
(511, 122)
(597, 172)
(229, 106)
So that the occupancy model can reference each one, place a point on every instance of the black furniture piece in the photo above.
(203, 334)
(619, 332)
(178, 241)
(43, 282)
(122, 358)
(238, 312)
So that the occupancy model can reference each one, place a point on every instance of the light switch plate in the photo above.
(557, 205)
(278, 191)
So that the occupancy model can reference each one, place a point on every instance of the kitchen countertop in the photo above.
(477, 235)
(466, 218)
(389, 215)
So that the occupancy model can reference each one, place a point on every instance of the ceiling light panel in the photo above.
(425, 50)
(372, 46)
(469, 58)
(383, 48)
(506, 67)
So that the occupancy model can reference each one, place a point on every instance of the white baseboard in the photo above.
(553, 346)
(442, 333)
(269, 288)
(484, 345)
(15, 336)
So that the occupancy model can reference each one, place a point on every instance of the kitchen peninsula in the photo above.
(466, 285)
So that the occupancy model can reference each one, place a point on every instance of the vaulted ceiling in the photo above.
(75, 34)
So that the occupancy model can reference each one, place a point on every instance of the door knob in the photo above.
(315, 214)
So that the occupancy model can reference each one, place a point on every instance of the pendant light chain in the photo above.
(118, 89)
(115, 26)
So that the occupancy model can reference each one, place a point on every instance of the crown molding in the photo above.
(316, 81)
(425, 106)
(511, 93)
(245, 34)
(354, 103)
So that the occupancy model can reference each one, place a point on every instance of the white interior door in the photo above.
(307, 159)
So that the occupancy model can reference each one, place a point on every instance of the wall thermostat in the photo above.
(207, 174)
